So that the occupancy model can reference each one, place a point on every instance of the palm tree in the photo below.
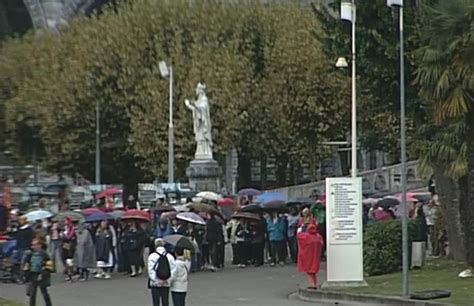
(446, 80)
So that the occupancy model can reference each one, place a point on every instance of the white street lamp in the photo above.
(167, 71)
(342, 63)
(399, 4)
(348, 13)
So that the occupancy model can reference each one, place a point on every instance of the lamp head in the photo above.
(347, 11)
(395, 3)
(342, 63)
(163, 69)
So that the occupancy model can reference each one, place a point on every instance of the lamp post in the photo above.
(348, 13)
(167, 71)
(97, 143)
(399, 4)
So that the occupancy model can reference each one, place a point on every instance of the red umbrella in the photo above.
(90, 211)
(136, 214)
(108, 192)
(225, 202)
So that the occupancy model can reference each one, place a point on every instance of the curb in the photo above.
(324, 295)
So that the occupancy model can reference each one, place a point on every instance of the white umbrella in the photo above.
(39, 214)
(209, 195)
(191, 218)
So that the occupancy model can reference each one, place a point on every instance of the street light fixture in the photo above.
(167, 71)
(348, 13)
(342, 63)
(399, 4)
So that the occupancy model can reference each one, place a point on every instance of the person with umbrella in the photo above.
(215, 238)
(276, 235)
(104, 249)
(293, 219)
(69, 240)
(243, 236)
(134, 243)
(85, 256)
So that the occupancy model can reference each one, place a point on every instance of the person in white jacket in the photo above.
(179, 281)
(160, 289)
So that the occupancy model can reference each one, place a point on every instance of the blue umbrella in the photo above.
(270, 196)
(39, 214)
(99, 216)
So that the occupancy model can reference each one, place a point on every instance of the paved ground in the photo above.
(232, 286)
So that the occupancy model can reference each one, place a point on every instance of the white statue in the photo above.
(202, 123)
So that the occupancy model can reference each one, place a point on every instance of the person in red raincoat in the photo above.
(310, 243)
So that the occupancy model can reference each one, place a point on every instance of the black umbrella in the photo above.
(251, 208)
(387, 203)
(164, 208)
(183, 242)
(301, 201)
(422, 197)
(275, 206)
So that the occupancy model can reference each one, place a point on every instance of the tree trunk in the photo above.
(244, 171)
(281, 170)
(449, 198)
(467, 204)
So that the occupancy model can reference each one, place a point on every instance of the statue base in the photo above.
(204, 175)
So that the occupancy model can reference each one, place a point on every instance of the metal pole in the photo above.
(170, 133)
(354, 105)
(403, 160)
(97, 143)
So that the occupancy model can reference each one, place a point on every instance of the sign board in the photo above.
(344, 230)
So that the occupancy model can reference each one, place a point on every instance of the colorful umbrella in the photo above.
(117, 214)
(74, 216)
(97, 217)
(249, 192)
(108, 192)
(139, 215)
(270, 196)
(39, 214)
(182, 242)
(191, 218)
(225, 202)
(89, 211)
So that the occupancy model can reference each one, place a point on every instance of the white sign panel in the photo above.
(344, 230)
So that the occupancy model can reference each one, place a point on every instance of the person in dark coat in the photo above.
(215, 238)
(134, 243)
(104, 249)
(258, 230)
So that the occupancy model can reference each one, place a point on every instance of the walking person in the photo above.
(310, 244)
(161, 268)
(179, 281)
(37, 268)
(85, 256)
(276, 235)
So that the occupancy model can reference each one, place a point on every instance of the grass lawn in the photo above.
(436, 274)
(9, 303)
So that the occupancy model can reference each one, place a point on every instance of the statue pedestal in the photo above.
(204, 175)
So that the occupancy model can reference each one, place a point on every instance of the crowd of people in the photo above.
(109, 246)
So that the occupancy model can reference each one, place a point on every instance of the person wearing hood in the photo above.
(310, 244)
(160, 288)
(84, 258)
(163, 229)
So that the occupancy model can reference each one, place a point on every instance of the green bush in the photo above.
(383, 246)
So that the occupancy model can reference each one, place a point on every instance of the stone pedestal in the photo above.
(204, 175)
